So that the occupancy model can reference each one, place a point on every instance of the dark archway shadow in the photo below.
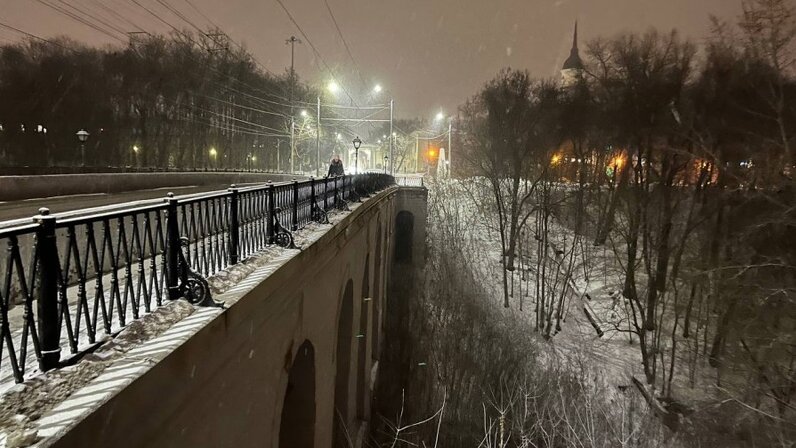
(297, 428)
(343, 364)
(404, 236)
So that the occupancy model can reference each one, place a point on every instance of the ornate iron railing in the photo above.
(69, 283)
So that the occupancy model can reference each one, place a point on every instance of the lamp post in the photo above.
(357, 143)
(82, 137)
(213, 154)
(386, 159)
(136, 149)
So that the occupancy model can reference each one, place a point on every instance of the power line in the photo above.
(345, 43)
(314, 49)
(33, 36)
(79, 19)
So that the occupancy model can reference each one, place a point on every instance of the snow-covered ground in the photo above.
(593, 287)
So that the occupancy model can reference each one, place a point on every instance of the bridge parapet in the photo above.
(68, 284)
(300, 337)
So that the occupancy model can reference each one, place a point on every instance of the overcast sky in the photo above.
(430, 54)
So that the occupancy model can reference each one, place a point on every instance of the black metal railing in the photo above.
(68, 283)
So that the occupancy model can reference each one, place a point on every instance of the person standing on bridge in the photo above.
(336, 167)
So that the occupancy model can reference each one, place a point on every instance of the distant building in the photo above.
(573, 68)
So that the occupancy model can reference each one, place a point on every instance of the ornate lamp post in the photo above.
(82, 137)
(357, 143)
(386, 159)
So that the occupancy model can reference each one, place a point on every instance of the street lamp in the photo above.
(213, 153)
(440, 116)
(386, 159)
(357, 143)
(304, 113)
(136, 150)
(82, 137)
(333, 87)
(377, 89)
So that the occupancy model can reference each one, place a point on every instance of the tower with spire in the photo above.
(573, 68)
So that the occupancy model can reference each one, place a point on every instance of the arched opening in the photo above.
(297, 429)
(362, 343)
(343, 363)
(375, 316)
(404, 235)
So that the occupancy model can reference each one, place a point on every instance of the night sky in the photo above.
(429, 54)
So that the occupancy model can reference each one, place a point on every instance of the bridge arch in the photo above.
(297, 425)
(343, 365)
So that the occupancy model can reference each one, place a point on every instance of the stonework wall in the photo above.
(225, 386)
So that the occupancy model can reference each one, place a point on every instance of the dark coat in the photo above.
(336, 168)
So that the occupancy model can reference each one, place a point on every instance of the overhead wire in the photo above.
(81, 20)
(345, 43)
(33, 36)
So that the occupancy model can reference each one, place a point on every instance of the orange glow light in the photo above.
(556, 159)
(617, 162)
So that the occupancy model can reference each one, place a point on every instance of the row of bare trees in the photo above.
(677, 161)
(163, 101)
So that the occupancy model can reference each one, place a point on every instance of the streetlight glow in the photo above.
(304, 113)
(136, 148)
(333, 87)
(439, 116)
(377, 89)
(213, 152)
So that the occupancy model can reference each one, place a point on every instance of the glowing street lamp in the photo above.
(213, 154)
(333, 87)
(357, 143)
(304, 113)
(377, 89)
(440, 116)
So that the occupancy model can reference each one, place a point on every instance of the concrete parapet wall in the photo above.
(14, 188)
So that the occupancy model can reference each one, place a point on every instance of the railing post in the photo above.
(325, 192)
(269, 229)
(47, 300)
(336, 192)
(294, 227)
(172, 249)
(312, 192)
(234, 225)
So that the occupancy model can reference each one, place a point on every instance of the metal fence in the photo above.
(409, 181)
(69, 282)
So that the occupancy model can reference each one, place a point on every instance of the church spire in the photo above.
(575, 37)
(573, 62)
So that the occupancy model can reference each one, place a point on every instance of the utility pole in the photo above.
(392, 156)
(292, 41)
(278, 164)
(318, 141)
(450, 128)
(417, 152)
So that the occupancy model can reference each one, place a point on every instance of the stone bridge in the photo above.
(291, 362)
